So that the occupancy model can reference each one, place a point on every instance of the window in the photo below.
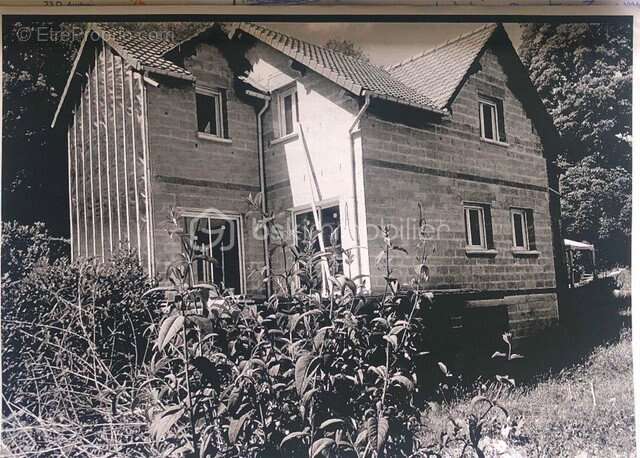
(211, 107)
(522, 228)
(287, 102)
(492, 120)
(477, 219)
(217, 244)
(329, 222)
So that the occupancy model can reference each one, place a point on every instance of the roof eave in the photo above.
(70, 78)
(400, 101)
(161, 71)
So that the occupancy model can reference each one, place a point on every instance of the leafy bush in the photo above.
(73, 344)
(296, 375)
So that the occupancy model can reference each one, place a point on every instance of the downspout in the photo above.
(263, 186)
(356, 121)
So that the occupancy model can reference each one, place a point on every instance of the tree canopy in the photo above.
(583, 75)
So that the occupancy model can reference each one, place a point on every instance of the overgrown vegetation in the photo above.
(73, 339)
(97, 360)
(587, 408)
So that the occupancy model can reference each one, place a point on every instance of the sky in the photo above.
(387, 43)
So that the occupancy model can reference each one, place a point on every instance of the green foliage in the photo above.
(347, 47)
(596, 206)
(583, 75)
(73, 339)
(23, 248)
(298, 374)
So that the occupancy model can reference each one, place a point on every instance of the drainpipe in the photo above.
(263, 187)
(355, 123)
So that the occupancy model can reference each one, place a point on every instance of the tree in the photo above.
(348, 48)
(37, 58)
(583, 75)
(596, 206)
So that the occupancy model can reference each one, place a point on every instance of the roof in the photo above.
(356, 75)
(143, 51)
(439, 72)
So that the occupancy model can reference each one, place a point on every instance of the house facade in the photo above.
(195, 127)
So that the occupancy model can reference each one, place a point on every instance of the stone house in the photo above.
(194, 127)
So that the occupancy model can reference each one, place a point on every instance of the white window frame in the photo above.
(525, 228)
(281, 117)
(217, 107)
(226, 216)
(309, 209)
(481, 222)
(494, 119)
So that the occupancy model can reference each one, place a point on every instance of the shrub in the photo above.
(73, 344)
(296, 375)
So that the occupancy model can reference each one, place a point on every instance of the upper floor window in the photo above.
(492, 119)
(211, 107)
(287, 106)
(477, 219)
(522, 229)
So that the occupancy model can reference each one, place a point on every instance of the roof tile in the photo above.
(356, 72)
(438, 72)
(141, 47)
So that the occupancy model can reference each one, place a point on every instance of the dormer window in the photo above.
(211, 107)
(492, 120)
(287, 109)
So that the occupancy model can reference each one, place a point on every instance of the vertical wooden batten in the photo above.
(77, 195)
(87, 151)
(115, 144)
(134, 156)
(106, 145)
(147, 177)
(93, 201)
(124, 151)
(69, 166)
(96, 95)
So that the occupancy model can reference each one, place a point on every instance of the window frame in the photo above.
(482, 223)
(498, 124)
(295, 212)
(525, 229)
(237, 219)
(281, 127)
(219, 106)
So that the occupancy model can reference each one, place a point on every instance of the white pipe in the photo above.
(263, 187)
(150, 81)
(356, 121)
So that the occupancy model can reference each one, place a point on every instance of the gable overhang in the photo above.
(472, 68)
(519, 83)
(88, 44)
(72, 77)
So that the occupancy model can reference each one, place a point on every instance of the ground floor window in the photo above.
(329, 219)
(522, 229)
(217, 244)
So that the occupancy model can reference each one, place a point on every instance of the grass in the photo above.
(580, 403)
